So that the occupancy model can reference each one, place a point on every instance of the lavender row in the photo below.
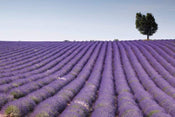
(168, 67)
(146, 102)
(18, 82)
(165, 48)
(60, 100)
(160, 69)
(33, 56)
(126, 102)
(155, 77)
(50, 59)
(49, 89)
(16, 49)
(40, 75)
(165, 101)
(23, 62)
(27, 53)
(15, 81)
(81, 105)
(165, 55)
(170, 45)
(105, 103)
(34, 85)
(19, 104)
(124, 79)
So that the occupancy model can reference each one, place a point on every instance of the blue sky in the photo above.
(53, 20)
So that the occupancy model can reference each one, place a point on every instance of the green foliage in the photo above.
(116, 39)
(43, 114)
(35, 99)
(14, 84)
(153, 112)
(16, 94)
(146, 24)
(12, 111)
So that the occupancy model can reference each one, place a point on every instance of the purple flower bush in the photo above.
(87, 79)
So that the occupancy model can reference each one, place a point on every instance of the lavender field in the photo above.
(87, 79)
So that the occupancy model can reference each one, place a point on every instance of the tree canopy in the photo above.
(146, 24)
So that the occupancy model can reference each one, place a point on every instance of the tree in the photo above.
(146, 24)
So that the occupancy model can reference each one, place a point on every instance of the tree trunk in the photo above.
(147, 38)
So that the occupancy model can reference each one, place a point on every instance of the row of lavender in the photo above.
(129, 79)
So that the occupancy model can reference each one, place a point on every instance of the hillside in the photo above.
(95, 78)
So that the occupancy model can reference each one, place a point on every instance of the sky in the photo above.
(82, 20)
